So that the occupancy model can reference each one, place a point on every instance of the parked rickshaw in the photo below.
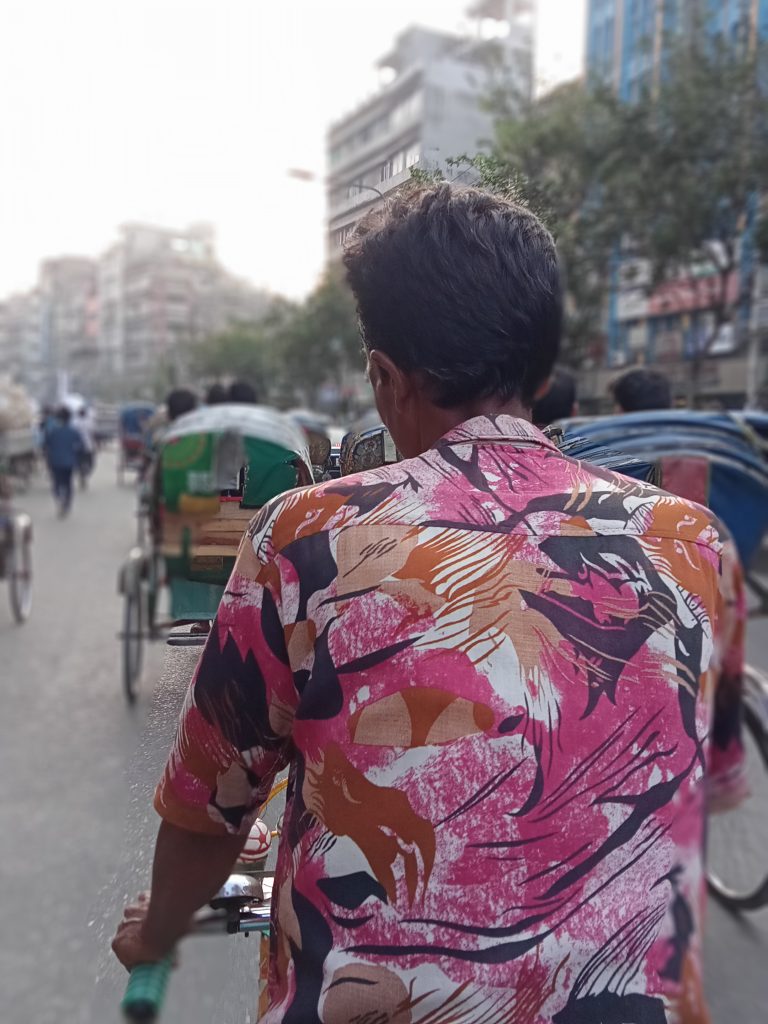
(215, 468)
(132, 424)
(15, 552)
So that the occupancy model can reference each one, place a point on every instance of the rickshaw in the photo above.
(214, 469)
(15, 552)
(132, 423)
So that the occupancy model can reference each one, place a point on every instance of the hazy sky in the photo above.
(174, 111)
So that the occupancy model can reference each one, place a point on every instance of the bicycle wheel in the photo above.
(19, 572)
(737, 844)
(132, 642)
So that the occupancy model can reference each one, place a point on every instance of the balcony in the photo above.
(366, 198)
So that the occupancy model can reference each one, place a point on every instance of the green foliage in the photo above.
(294, 350)
(669, 179)
(322, 332)
(695, 158)
(559, 158)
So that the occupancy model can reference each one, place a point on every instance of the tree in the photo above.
(559, 157)
(248, 351)
(321, 342)
(694, 163)
(294, 350)
(669, 183)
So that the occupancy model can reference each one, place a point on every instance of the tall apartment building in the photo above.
(625, 38)
(69, 342)
(430, 111)
(151, 285)
(161, 290)
(626, 47)
(109, 326)
(21, 351)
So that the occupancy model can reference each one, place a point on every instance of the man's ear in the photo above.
(388, 381)
(542, 389)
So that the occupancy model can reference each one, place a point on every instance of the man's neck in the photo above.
(436, 422)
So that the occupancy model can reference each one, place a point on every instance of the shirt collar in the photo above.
(499, 429)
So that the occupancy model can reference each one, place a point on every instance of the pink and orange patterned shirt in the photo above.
(491, 670)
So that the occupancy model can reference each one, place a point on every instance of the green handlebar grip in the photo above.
(145, 991)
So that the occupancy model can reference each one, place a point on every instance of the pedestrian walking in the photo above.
(63, 451)
(83, 424)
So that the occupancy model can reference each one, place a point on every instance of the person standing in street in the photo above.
(63, 451)
(83, 424)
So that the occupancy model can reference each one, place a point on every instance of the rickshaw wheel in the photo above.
(737, 873)
(132, 641)
(19, 573)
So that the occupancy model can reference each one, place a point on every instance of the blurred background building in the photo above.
(430, 108)
(69, 332)
(626, 49)
(625, 38)
(21, 339)
(123, 324)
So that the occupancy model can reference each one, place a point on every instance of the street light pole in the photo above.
(370, 188)
(301, 174)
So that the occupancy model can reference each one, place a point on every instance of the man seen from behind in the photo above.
(489, 668)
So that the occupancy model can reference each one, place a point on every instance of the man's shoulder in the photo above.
(305, 511)
(653, 512)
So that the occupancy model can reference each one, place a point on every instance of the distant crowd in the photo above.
(639, 390)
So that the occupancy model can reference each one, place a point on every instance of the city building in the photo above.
(626, 48)
(153, 281)
(161, 290)
(69, 341)
(21, 352)
(625, 38)
(111, 326)
(429, 111)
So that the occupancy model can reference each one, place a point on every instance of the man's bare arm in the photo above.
(189, 869)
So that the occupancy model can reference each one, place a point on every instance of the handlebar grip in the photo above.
(145, 991)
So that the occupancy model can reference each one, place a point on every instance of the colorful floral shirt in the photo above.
(491, 670)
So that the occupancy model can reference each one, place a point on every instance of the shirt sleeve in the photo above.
(234, 733)
(727, 770)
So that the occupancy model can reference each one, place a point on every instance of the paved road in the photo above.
(78, 770)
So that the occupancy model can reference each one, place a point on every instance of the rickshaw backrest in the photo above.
(712, 458)
(132, 419)
(229, 449)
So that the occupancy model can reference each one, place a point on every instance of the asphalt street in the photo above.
(78, 770)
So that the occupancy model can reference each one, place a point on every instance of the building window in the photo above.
(341, 235)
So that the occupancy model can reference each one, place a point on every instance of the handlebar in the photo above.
(241, 906)
(145, 991)
(147, 984)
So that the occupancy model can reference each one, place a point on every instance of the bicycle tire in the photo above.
(752, 897)
(19, 571)
(132, 643)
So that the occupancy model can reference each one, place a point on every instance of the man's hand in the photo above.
(188, 871)
(131, 945)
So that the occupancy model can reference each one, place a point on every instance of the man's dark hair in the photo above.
(462, 286)
(217, 394)
(243, 392)
(559, 400)
(179, 402)
(640, 390)
(64, 414)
